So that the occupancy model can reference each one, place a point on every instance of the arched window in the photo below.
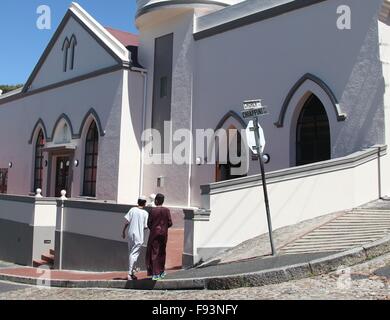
(313, 133)
(90, 161)
(38, 167)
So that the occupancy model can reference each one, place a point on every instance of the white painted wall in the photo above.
(177, 176)
(45, 213)
(130, 140)
(38, 214)
(265, 60)
(384, 38)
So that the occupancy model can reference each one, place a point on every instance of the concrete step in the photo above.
(329, 246)
(48, 258)
(327, 249)
(341, 236)
(360, 222)
(334, 240)
(41, 263)
(346, 232)
(291, 252)
(356, 227)
(364, 219)
(359, 210)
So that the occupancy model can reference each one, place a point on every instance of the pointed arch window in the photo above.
(65, 49)
(69, 56)
(39, 159)
(73, 44)
(90, 161)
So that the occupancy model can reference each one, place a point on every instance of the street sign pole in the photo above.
(266, 200)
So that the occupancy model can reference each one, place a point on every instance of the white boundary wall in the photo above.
(27, 228)
(237, 210)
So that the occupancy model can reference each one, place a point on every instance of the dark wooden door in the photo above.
(3, 180)
(62, 176)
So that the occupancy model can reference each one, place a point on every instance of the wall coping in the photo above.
(94, 205)
(351, 161)
(27, 199)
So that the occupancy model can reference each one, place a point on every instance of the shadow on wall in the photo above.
(363, 96)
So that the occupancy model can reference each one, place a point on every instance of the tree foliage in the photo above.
(7, 88)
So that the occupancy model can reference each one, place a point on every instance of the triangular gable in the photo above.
(80, 46)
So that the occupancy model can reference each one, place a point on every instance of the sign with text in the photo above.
(253, 108)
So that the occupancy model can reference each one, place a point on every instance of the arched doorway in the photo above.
(313, 143)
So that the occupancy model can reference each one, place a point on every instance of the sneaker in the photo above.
(163, 275)
(156, 278)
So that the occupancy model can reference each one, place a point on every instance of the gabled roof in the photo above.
(105, 38)
(126, 38)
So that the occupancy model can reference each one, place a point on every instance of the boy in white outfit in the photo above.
(137, 222)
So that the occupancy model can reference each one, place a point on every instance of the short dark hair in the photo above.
(160, 198)
(141, 203)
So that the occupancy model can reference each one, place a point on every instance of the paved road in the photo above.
(8, 287)
(360, 282)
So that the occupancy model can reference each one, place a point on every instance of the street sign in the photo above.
(253, 108)
(251, 137)
(251, 113)
(252, 104)
(256, 141)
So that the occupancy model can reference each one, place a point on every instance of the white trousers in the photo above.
(134, 252)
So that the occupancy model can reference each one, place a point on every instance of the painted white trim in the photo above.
(113, 43)
(144, 107)
(294, 109)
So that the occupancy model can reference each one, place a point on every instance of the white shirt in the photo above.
(138, 220)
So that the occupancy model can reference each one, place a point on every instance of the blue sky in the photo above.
(22, 43)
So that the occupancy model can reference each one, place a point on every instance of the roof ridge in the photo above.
(100, 31)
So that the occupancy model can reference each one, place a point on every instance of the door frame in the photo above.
(52, 174)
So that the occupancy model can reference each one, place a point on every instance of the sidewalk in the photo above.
(250, 273)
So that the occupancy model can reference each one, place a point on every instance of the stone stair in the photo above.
(47, 260)
(353, 229)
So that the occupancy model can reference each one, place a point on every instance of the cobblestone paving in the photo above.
(362, 284)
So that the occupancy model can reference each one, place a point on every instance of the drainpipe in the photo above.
(142, 158)
(191, 144)
(63, 198)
